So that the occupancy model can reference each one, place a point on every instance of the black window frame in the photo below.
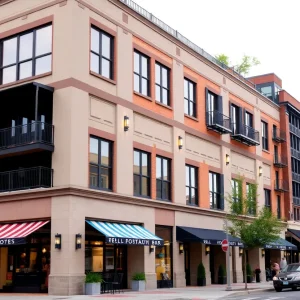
(162, 181)
(278, 198)
(264, 139)
(140, 74)
(160, 85)
(100, 166)
(215, 194)
(191, 99)
(100, 55)
(268, 202)
(252, 208)
(190, 187)
(140, 174)
(34, 57)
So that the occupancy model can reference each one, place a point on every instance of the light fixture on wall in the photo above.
(263, 252)
(44, 250)
(227, 159)
(151, 249)
(180, 248)
(58, 241)
(260, 170)
(241, 251)
(126, 123)
(78, 241)
(180, 142)
(207, 250)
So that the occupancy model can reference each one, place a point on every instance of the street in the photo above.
(268, 295)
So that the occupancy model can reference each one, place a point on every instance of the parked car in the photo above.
(288, 278)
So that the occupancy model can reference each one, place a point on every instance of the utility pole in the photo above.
(228, 287)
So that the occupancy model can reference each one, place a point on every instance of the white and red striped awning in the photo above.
(15, 233)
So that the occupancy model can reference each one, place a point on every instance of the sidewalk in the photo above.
(188, 293)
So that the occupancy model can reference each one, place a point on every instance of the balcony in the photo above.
(280, 161)
(278, 136)
(295, 130)
(295, 177)
(245, 134)
(281, 185)
(23, 179)
(37, 136)
(218, 122)
(296, 200)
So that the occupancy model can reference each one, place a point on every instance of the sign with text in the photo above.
(132, 241)
(12, 242)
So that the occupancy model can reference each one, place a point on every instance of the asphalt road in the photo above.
(268, 295)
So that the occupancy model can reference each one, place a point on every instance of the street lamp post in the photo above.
(228, 287)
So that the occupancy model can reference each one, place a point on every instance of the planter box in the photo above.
(138, 286)
(222, 280)
(201, 281)
(92, 288)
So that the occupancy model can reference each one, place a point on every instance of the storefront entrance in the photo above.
(25, 268)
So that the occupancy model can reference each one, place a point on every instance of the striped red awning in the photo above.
(14, 234)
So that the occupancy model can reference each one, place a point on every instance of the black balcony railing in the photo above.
(218, 122)
(245, 134)
(281, 185)
(36, 132)
(280, 161)
(278, 136)
(296, 200)
(295, 177)
(22, 179)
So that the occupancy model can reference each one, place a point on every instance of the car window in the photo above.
(292, 268)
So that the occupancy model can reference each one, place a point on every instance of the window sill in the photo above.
(164, 200)
(141, 196)
(100, 189)
(266, 151)
(191, 117)
(193, 205)
(25, 80)
(103, 78)
(216, 209)
(163, 105)
(143, 96)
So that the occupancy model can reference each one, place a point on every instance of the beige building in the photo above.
(118, 139)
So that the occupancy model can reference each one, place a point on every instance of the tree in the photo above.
(242, 67)
(255, 232)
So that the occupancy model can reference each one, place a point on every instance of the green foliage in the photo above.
(248, 270)
(93, 278)
(222, 271)
(201, 271)
(224, 59)
(139, 277)
(263, 229)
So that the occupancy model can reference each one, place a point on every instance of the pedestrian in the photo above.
(283, 263)
(276, 268)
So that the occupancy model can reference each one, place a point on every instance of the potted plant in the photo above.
(201, 278)
(249, 273)
(138, 282)
(257, 274)
(93, 283)
(222, 279)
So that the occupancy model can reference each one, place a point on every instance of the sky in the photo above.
(266, 29)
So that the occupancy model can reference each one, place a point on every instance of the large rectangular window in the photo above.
(100, 163)
(191, 185)
(189, 98)
(278, 207)
(237, 204)
(141, 173)
(163, 178)
(267, 198)
(141, 73)
(235, 118)
(215, 191)
(162, 84)
(251, 197)
(26, 54)
(102, 53)
(264, 135)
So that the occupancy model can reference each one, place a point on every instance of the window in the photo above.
(162, 84)
(141, 74)
(141, 173)
(163, 178)
(248, 119)
(267, 198)
(215, 191)
(189, 98)
(278, 207)
(264, 135)
(237, 204)
(235, 118)
(26, 54)
(191, 185)
(267, 91)
(102, 53)
(100, 163)
(251, 197)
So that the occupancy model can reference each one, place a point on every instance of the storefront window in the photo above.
(163, 255)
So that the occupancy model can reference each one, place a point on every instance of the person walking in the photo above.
(276, 268)
(283, 263)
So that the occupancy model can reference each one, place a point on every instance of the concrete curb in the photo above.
(251, 291)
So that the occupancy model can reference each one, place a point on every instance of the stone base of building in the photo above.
(66, 285)
(179, 280)
(239, 277)
(151, 281)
